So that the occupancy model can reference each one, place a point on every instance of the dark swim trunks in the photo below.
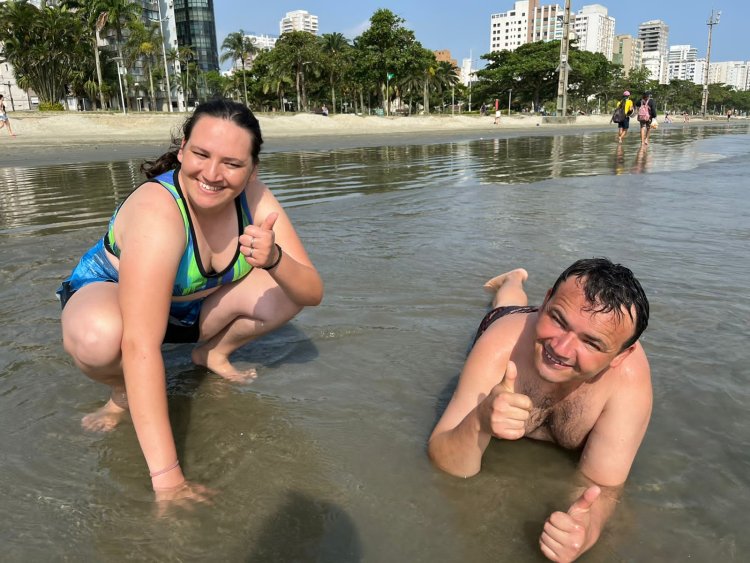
(498, 312)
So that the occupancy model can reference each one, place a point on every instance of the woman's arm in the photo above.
(294, 271)
(150, 233)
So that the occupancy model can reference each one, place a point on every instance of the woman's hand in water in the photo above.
(184, 495)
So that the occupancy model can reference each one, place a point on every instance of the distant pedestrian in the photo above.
(483, 110)
(646, 114)
(685, 117)
(324, 110)
(667, 119)
(627, 110)
(4, 120)
(497, 117)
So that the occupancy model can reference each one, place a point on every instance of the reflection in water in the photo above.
(58, 198)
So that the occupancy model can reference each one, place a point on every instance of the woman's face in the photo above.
(216, 162)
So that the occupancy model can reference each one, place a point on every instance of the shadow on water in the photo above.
(307, 529)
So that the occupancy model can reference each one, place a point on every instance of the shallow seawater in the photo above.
(323, 457)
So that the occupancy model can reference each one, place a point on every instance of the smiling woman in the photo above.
(201, 252)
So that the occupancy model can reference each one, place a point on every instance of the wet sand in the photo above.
(44, 139)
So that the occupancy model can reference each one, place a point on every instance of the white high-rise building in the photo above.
(299, 20)
(681, 63)
(655, 35)
(731, 73)
(510, 30)
(595, 30)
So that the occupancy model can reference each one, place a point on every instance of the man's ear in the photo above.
(619, 358)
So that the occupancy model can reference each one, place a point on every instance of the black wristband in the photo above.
(276, 262)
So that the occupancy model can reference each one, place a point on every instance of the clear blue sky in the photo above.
(463, 25)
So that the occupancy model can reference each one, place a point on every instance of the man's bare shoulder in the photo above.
(502, 336)
(631, 380)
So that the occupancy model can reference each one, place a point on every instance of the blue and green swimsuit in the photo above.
(191, 278)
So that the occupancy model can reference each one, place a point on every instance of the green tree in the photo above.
(298, 50)
(335, 47)
(387, 48)
(143, 43)
(185, 55)
(43, 45)
(238, 46)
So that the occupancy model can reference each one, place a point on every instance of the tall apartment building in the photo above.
(731, 73)
(595, 30)
(655, 35)
(299, 20)
(196, 27)
(681, 63)
(628, 52)
(547, 23)
(511, 29)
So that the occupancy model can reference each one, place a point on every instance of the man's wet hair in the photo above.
(610, 287)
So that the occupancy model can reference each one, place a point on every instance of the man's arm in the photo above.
(484, 404)
(605, 464)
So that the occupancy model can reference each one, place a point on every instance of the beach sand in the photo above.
(58, 138)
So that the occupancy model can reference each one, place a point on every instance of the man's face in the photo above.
(574, 344)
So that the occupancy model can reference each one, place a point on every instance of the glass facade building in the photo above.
(196, 27)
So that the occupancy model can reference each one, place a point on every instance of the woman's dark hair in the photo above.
(610, 287)
(223, 109)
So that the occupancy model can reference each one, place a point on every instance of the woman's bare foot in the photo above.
(106, 418)
(493, 285)
(220, 365)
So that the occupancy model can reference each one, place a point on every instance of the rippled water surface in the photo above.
(323, 457)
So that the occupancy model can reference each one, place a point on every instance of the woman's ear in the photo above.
(179, 151)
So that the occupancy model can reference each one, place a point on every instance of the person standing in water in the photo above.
(200, 252)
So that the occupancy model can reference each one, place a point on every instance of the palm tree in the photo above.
(335, 46)
(95, 20)
(43, 46)
(239, 46)
(186, 54)
(118, 14)
(143, 43)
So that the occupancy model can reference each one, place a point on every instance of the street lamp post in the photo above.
(119, 80)
(10, 95)
(509, 95)
(712, 21)
(164, 54)
(563, 68)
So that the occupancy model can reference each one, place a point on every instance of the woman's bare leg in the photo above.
(507, 288)
(237, 314)
(92, 335)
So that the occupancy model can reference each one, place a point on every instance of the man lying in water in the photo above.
(571, 372)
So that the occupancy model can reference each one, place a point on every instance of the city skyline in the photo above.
(466, 33)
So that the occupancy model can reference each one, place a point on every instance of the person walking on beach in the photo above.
(483, 110)
(200, 252)
(646, 111)
(4, 119)
(571, 372)
(627, 106)
(497, 117)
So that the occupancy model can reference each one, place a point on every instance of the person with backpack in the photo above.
(646, 114)
(622, 114)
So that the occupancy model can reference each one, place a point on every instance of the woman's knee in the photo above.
(94, 344)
